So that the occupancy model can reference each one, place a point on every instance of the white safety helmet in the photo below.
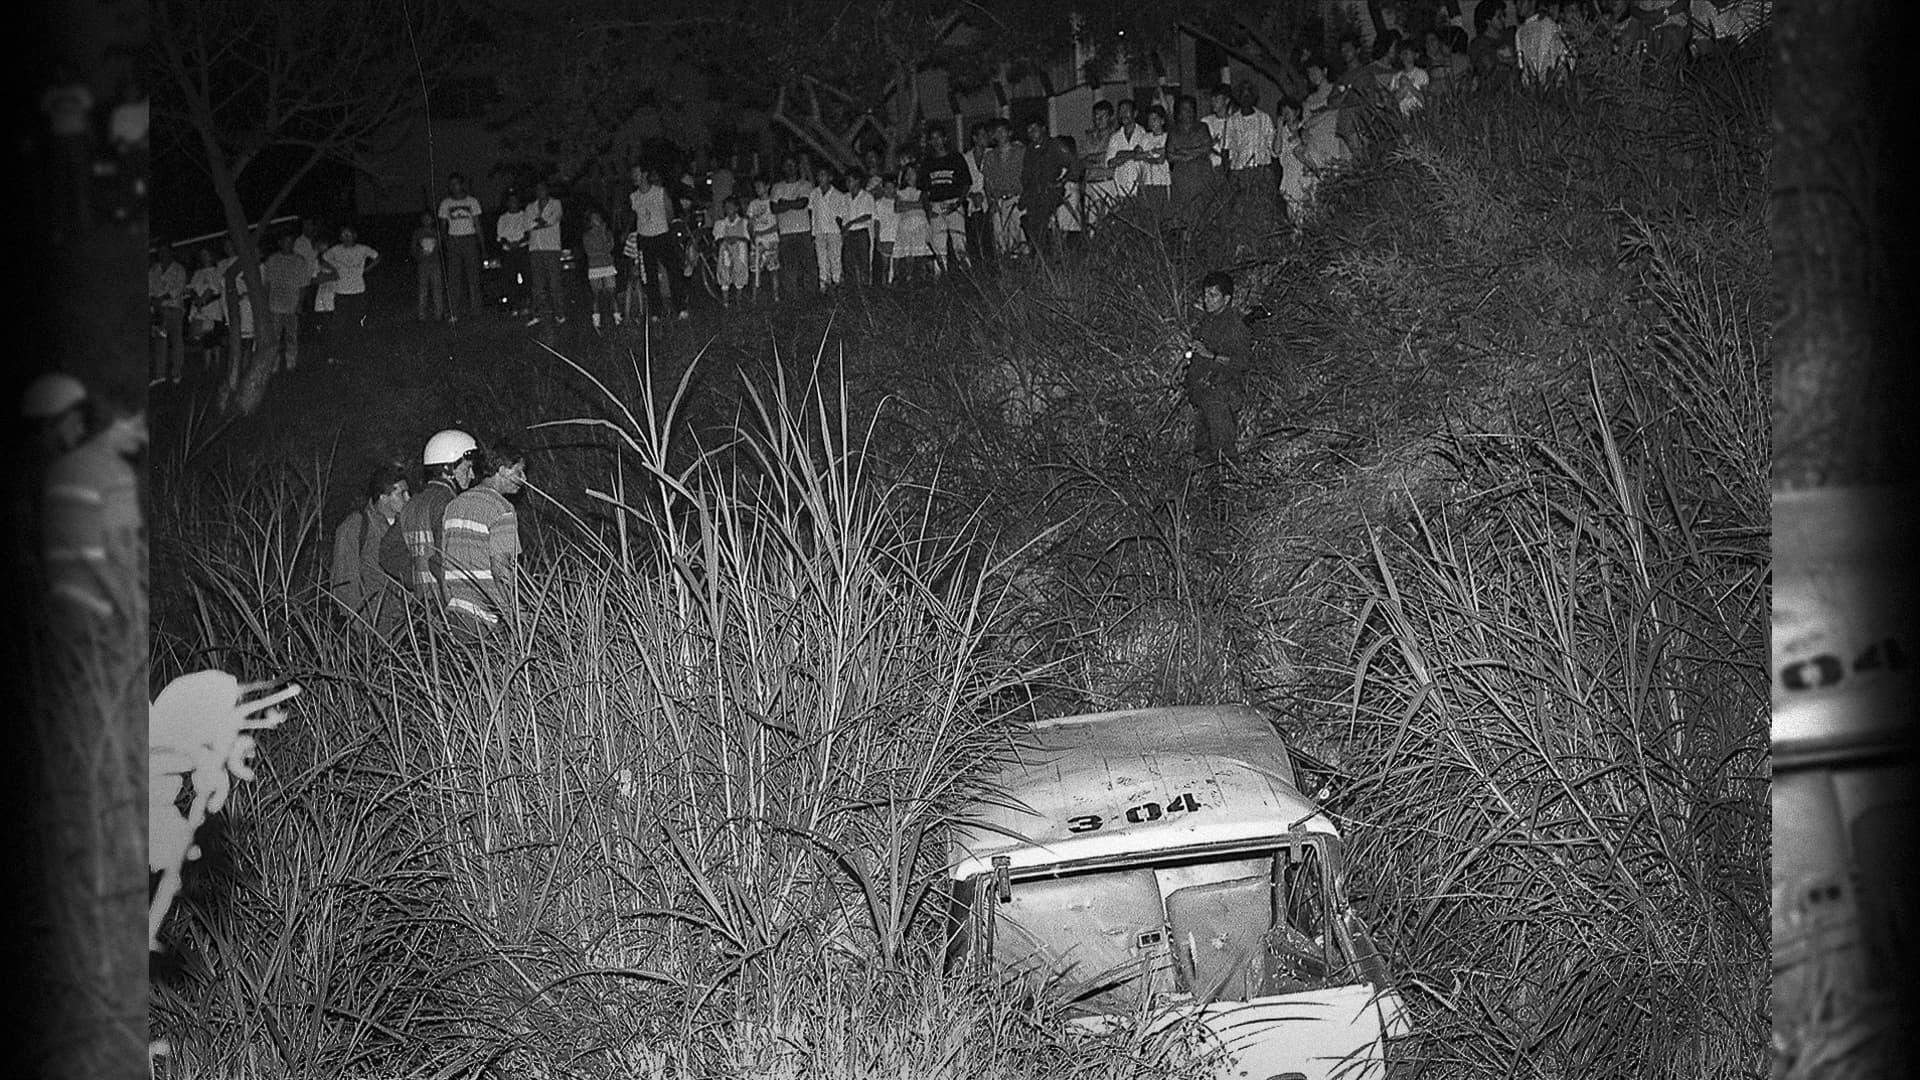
(50, 395)
(447, 447)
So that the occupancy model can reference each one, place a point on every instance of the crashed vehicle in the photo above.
(1164, 864)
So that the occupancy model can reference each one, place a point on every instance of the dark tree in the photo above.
(305, 81)
(576, 71)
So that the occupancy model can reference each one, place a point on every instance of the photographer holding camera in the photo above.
(1216, 371)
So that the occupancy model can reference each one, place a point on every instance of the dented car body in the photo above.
(1164, 864)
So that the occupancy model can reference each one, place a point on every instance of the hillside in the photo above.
(1496, 555)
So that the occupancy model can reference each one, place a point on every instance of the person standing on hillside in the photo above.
(910, 242)
(948, 181)
(1216, 372)
(1541, 46)
(828, 209)
(483, 543)
(350, 260)
(1408, 87)
(207, 313)
(1220, 101)
(449, 464)
(764, 226)
(1249, 146)
(510, 232)
(1097, 188)
(653, 224)
(239, 310)
(460, 219)
(543, 255)
(1189, 153)
(856, 240)
(597, 242)
(167, 292)
(369, 575)
(1127, 153)
(430, 280)
(732, 249)
(790, 208)
(286, 275)
(1389, 30)
(979, 229)
(308, 243)
(886, 226)
(1000, 167)
(1156, 175)
(1044, 169)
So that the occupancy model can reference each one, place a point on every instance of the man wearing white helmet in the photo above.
(449, 463)
(90, 529)
(483, 542)
(55, 404)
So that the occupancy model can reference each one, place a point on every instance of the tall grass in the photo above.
(695, 795)
(1506, 496)
(1562, 661)
(78, 822)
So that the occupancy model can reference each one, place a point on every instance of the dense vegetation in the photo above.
(1497, 555)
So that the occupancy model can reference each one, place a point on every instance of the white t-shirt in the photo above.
(207, 279)
(793, 221)
(725, 229)
(1127, 174)
(1249, 140)
(168, 284)
(543, 233)
(761, 220)
(1161, 174)
(1541, 46)
(829, 208)
(462, 215)
(303, 247)
(650, 210)
(909, 221)
(350, 262)
(860, 204)
(511, 226)
(885, 221)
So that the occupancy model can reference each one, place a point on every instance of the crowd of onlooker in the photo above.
(921, 210)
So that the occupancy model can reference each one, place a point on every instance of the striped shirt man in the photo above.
(482, 538)
(420, 525)
(90, 536)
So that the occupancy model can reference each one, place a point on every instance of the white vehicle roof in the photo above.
(1066, 773)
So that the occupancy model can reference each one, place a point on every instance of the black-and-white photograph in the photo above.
(1110, 539)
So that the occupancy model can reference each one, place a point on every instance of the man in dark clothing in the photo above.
(1217, 370)
(946, 180)
(1043, 177)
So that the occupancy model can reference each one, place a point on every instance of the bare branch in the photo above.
(1237, 53)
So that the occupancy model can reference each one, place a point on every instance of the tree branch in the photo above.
(1237, 53)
